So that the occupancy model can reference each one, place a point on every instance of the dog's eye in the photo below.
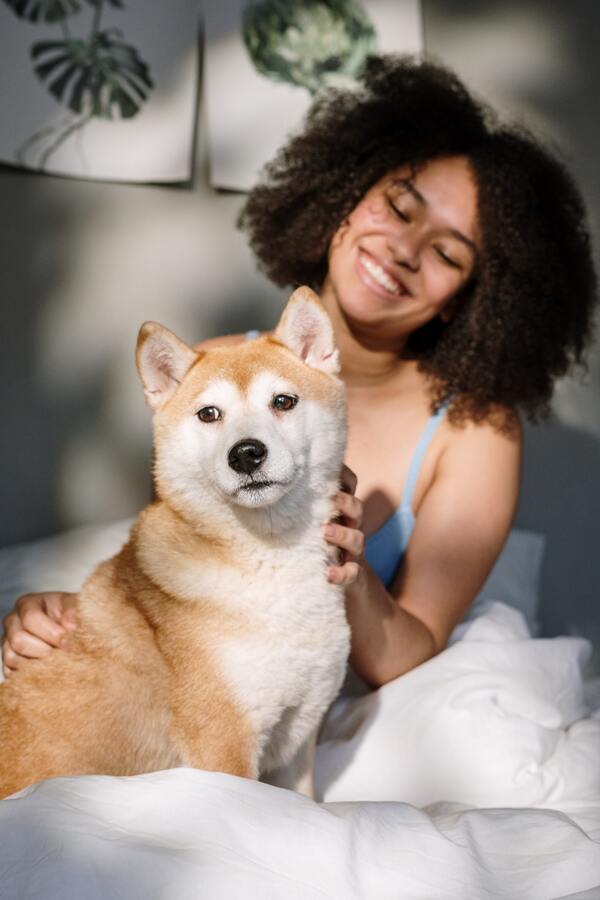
(284, 402)
(209, 414)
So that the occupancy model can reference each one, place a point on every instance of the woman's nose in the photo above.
(405, 248)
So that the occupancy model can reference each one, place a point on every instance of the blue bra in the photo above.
(385, 548)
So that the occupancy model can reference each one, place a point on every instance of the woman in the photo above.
(452, 255)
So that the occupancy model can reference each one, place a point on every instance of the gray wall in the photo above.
(83, 264)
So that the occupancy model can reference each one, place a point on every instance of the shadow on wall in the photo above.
(561, 497)
(250, 311)
(32, 426)
(48, 397)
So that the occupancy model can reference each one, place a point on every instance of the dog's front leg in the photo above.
(298, 774)
(212, 735)
(209, 729)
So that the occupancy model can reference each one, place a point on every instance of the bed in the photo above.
(476, 775)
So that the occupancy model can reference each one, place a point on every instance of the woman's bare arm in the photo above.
(461, 527)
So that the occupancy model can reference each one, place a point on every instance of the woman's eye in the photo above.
(284, 402)
(209, 414)
(402, 214)
(448, 260)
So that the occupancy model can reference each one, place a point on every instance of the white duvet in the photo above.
(496, 720)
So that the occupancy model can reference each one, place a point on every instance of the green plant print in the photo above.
(96, 76)
(309, 43)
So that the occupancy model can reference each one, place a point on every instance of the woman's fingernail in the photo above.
(329, 530)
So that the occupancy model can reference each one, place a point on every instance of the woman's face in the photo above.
(407, 248)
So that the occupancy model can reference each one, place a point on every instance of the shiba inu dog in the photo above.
(213, 638)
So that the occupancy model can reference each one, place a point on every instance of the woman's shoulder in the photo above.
(490, 443)
(501, 424)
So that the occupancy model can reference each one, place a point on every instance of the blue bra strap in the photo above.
(419, 454)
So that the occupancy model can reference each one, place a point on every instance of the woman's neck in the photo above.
(367, 360)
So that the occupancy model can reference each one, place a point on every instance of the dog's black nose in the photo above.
(247, 455)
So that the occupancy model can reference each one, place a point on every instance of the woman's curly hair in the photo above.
(526, 315)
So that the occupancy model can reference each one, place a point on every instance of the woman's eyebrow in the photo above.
(471, 245)
(407, 184)
(418, 196)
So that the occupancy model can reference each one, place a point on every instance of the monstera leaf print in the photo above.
(93, 76)
(52, 10)
(118, 3)
(44, 10)
(101, 77)
(309, 43)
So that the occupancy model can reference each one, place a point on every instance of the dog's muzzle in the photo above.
(247, 456)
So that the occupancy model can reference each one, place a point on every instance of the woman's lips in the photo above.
(378, 278)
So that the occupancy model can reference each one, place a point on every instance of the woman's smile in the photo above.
(378, 277)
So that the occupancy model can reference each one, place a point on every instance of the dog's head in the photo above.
(255, 425)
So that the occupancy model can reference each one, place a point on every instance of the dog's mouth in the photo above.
(256, 486)
(257, 490)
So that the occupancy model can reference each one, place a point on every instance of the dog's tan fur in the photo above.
(125, 698)
(141, 686)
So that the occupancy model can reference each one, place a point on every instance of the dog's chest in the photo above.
(293, 655)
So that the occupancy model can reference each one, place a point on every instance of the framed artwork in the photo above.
(266, 59)
(102, 89)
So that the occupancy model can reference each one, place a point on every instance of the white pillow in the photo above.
(515, 579)
(57, 563)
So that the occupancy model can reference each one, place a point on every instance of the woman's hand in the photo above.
(345, 533)
(37, 624)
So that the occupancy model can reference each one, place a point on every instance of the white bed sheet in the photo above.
(184, 835)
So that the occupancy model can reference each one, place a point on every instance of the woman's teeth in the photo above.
(381, 276)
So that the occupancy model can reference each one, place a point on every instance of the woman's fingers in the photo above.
(70, 620)
(39, 616)
(22, 643)
(38, 623)
(350, 507)
(350, 539)
(348, 479)
(345, 574)
(346, 533)
(53, 603)
(10, 660)
(62, 608)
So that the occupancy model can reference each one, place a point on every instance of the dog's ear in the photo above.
(162, 361)
(305, 328)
